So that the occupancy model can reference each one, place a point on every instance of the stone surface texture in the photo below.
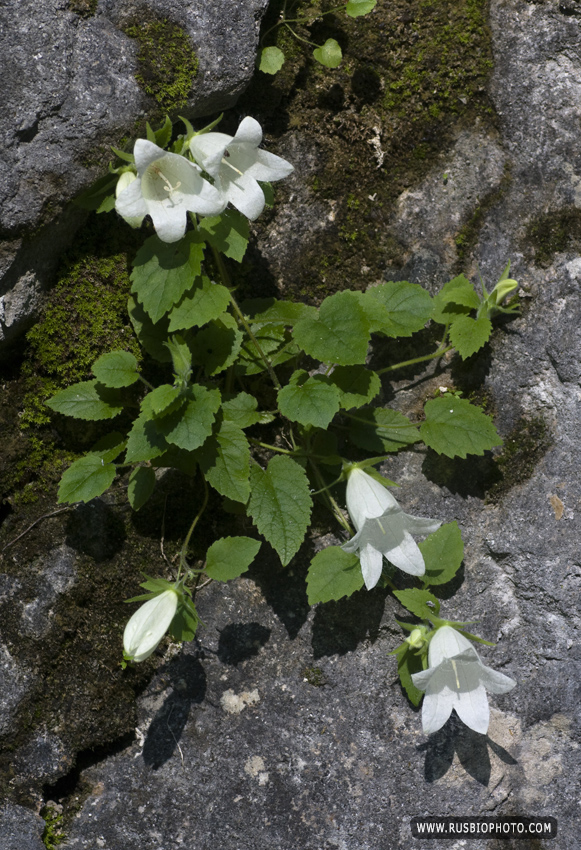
(69, 91)
(284, 726)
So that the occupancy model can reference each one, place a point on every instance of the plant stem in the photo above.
(186, 543)
(334, 507)
(438, 353)
(267, 446)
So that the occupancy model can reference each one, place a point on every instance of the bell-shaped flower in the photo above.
(236, 164)
(457, 679)
(168, 186)
(383, 529)
(148, 625)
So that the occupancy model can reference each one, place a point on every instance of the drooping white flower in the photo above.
(168, 186)
(236, 164)
(457, 679)
(383, 529)
(148, 625)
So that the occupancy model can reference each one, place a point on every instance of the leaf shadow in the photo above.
(339, 627)
(240, 641)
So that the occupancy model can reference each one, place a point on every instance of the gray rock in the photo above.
(69, 91)
(15, 683)
(20, 829)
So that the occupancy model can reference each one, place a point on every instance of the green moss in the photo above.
(83, 8)
(314, 676)
(53, 832)
(522, 450)
(552, 233)
(167, 63)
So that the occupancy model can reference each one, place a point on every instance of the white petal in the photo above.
(436, 710)
(249, 132)
(145, 153)
(130, 203)
(245, 194)
(169, 219)
(421, 525)
(422, 678)
(371, 565)
(472, 708)
(446, 643)
(208, 150)
(269, 167)
(495, 682)
(366, 497)
(407, 556)
(148, 625)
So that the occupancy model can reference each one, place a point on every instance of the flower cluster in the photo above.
(167, 185)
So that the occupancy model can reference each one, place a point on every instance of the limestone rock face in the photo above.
(70, 89)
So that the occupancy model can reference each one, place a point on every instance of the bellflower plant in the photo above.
(236, 164)
(457, 679)
(148, 625)
(383, 529)
(168, 186)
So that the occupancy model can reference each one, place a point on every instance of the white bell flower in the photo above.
(383, 529)
(236, 164)
(168, 186)
(148, 625)
(457, 679)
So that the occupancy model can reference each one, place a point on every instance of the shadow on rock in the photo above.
(466, 479)
(188, 680)
(471, 747)
(338, 627)
(240, 641)
(284, 588)
(96, 530)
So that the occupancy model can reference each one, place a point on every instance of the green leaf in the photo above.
(216, 346)
(379, 429)
(262, 310)
(456, 296)
(144, 442)
(228, 233)
(189, 427)
(329, 54)
(407, 663)
(141, 485)
(356, 384)
(310, 401)
(271, 60)
(270, 338)
(93, 197)
(162, 400)
(280, 504)
(416, 599)
(225, 461)
(456, 428)
(468, 335)
(86, 479)
(185, 622)
(86, 400)
(340, 334)
(163, 272)
(442, 552)
(116, 369)
(333, 574)
(109, 447)
(176, 459)
(204, 302)
(229, 557)
(241, 409)
(181, 357)
(408, 307)
(355, 8)
(163, 134)
(151, 336)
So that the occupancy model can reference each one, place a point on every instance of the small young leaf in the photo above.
(86, 479)
(271, 60)
(456, 428)
(229, 557)
(333, 574)
(280, 504)
(86, 400)
(216, 346)
(415, 600)
(225, 461)
(116, 369)
(162, 400)
(329, 54)
(163, 272)
(355, 8)
(357, 385)
(340, 334)
(204, 302)
(380, 430)
(443, 552)
(310, 401)
(189, 427)
(408, 306)
(456, 296)
(468, 335)
(141, 485)
(228, 233)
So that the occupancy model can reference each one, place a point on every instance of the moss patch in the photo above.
(553, 233)
(83, 8)
(167, 63)
(523, 448)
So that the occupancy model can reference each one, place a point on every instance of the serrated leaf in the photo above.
(217, 345)
(189, 427)
(86, 400)
(181, 357)
(356, 384)
(110, 446)
(468, 335)
(416, 601)
(116, 369)
(442, 552)
(86, 479)
(205, 301)
(241, 409)
(229, 557)
(269, 337)
(163, 272)
(309, 401)
(271, 60)
(280, 504)
(263, 310)
(408, 307)
(456, 428)
(93, 197)
(144, 442)
(151, 336)
(141, 486)
(333, 574)
(228, 233)
(225, 461)
(379, 430)
(339, 334)
(162, 400)
(355, 8)
(329, 54)
(457, 296)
